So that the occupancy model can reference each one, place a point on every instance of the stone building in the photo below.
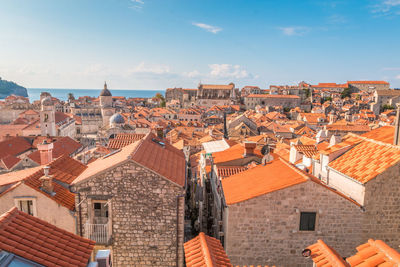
(384, 97)
(368, 86)
(264, 100)
(132, 201)
(209, 95)
(185, 96)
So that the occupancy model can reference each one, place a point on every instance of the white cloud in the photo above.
(137, 5)
(209, 28)
(386, 7)
(149, 68)
(192, 74)
(391, 69)
(337, 19)
(228, 71)
(294, 30)
(397, 77)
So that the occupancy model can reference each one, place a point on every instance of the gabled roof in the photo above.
(63, 146)
(124, 139)
(205, 251)
(41, 242)
(366, 160)
(261, 180)
(383, 134)
(14, 146)
(325, 256)
(375, 253)
(232, 153)
(150, 152)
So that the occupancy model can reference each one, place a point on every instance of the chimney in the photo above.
(249, 148)
(46, 152)
(160, 131)
(47, 180)
(396, 140)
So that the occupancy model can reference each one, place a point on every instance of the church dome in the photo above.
(47, 101)
(117, 119)
(105, 91)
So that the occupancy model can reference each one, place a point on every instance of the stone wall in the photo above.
(143, 214)
(265, 230)
(382, 205)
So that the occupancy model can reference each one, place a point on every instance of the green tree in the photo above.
(386, 107)
(346, 93)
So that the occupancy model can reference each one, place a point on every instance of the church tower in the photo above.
(48, 117)
(106, 105)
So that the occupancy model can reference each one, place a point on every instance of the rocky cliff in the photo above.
(9, 88)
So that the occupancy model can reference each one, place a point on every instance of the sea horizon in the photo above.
(62, 93)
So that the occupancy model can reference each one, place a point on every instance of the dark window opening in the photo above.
(307, 221)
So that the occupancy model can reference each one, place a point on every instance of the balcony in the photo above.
(101, 233)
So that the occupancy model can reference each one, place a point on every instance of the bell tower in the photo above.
(48, 117)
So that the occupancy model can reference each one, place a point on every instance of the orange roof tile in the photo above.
(368, 82)
(232, 153)
(261, 180)
(366, 160)
(124, 139)
(383, 134)
(226, 171)
(325, 256)
(41, 242)
(375, 253)
(307, 150)
(62, 146)
(14, 146)
(16, 176)
(205, 251)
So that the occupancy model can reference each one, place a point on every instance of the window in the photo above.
(26, 206)
(307, 221)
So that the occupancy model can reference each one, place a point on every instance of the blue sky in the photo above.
(155, 44)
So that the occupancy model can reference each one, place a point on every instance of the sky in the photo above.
(157, 44)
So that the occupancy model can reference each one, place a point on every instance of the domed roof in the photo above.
(105, 91)
(47, 101)
(117, 119)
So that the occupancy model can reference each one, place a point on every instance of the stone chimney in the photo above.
(47, 180)
(46, 152)
(160, 131)
(396, 139)
(249, 148)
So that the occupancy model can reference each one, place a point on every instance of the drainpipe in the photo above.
(79, 210)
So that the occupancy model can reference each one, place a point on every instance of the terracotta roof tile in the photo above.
(14, 146)
(205, 251)
(261, 180)
(124, 139)
(226, 171)
(325, 256)
(20, 234)
(62, 146)
(10, 161)
(368, 82)
(16, 176)
(383, 134)
(232, 153)
(375, 253)
(366, 160)
(307, 150)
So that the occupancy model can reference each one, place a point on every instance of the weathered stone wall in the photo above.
(382, 205)
(143, 213)
(265, 230)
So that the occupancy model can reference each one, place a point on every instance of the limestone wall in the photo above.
(143, 214)
(265, 230)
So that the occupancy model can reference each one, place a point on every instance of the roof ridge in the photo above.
(7, 216)
(385, 249)
(206, 251)
(374, 141)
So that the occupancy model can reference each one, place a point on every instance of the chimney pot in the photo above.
(46, 152)
(47, 180)
(249, 148)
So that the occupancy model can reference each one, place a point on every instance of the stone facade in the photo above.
(265, 230)
(143, 213)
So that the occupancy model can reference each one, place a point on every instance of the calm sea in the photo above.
(62, 94)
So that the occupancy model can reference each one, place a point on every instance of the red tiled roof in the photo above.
(63, 146)
(383, 134)
(261, 180)
(226, 171)
(325, 256)
(307, 150)
(218, 86)
(14, 146)
(163, 159)
(124, 139)
(232, 153)
(368, 82)
(10, 161)
(205, 251)
(366, 160)
(41, 242)
(375, 253)
(273, 96)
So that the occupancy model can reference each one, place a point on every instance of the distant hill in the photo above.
(9, 88)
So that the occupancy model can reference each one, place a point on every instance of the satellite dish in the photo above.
(265, 150)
